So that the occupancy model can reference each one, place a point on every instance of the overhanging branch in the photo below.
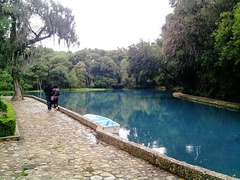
(37, 39)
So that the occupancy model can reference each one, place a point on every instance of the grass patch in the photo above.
(25, 168)
(20, 174)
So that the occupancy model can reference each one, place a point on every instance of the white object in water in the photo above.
(106, 123)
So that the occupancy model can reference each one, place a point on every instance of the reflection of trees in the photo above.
(152, 129)
(73, 101)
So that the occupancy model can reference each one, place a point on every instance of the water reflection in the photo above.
(195, 133)
(124, 133)
(161, 150)
(194, 151)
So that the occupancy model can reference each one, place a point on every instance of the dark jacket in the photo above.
(48, 90)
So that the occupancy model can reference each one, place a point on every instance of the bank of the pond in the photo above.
(213, 102)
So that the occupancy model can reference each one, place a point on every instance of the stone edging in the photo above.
(213, 102)
(174, 166)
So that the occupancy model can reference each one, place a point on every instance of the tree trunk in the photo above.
(18, 93)
(40, 85)
(176, 79)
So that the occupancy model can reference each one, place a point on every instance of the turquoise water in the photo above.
(195, 133)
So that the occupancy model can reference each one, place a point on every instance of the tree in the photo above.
(144, 65)
(72, 79)
(5, 81)
(59, 68)
(184, 36)
(105, 71)
(82, 74)
(32, 21)
(124, 71)
(188, 40)
(37, 74)
(4, 24)
(227, 65)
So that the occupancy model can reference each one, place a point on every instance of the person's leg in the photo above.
(52, 102)
(56, 103)
(48, 102)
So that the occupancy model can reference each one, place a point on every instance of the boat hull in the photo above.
(107, 124)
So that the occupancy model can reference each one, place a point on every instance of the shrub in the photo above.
(7, 120)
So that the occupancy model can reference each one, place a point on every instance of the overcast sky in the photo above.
(109, 24)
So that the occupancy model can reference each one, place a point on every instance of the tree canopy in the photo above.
(191, 39)
(25, 23)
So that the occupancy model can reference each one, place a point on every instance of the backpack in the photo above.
(56, 92)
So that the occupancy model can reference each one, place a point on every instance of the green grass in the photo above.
(19, 175)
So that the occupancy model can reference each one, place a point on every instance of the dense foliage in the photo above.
(198, 50)
(199, 37)
(7, 119)
(24, 23)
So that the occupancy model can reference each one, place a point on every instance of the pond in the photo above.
(198, 134)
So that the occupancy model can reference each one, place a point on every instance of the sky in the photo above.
(113, 24)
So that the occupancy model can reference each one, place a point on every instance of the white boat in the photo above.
(107, 124)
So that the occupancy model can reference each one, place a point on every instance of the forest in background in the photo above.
(198, 50)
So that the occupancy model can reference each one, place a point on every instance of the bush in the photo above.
(7, 120)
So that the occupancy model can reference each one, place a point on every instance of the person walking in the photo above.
(56, 94)
(48, 94)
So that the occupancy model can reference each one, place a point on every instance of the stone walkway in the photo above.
(55, 146)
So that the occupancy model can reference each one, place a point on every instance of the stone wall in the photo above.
(174, 166)
(213, 102)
